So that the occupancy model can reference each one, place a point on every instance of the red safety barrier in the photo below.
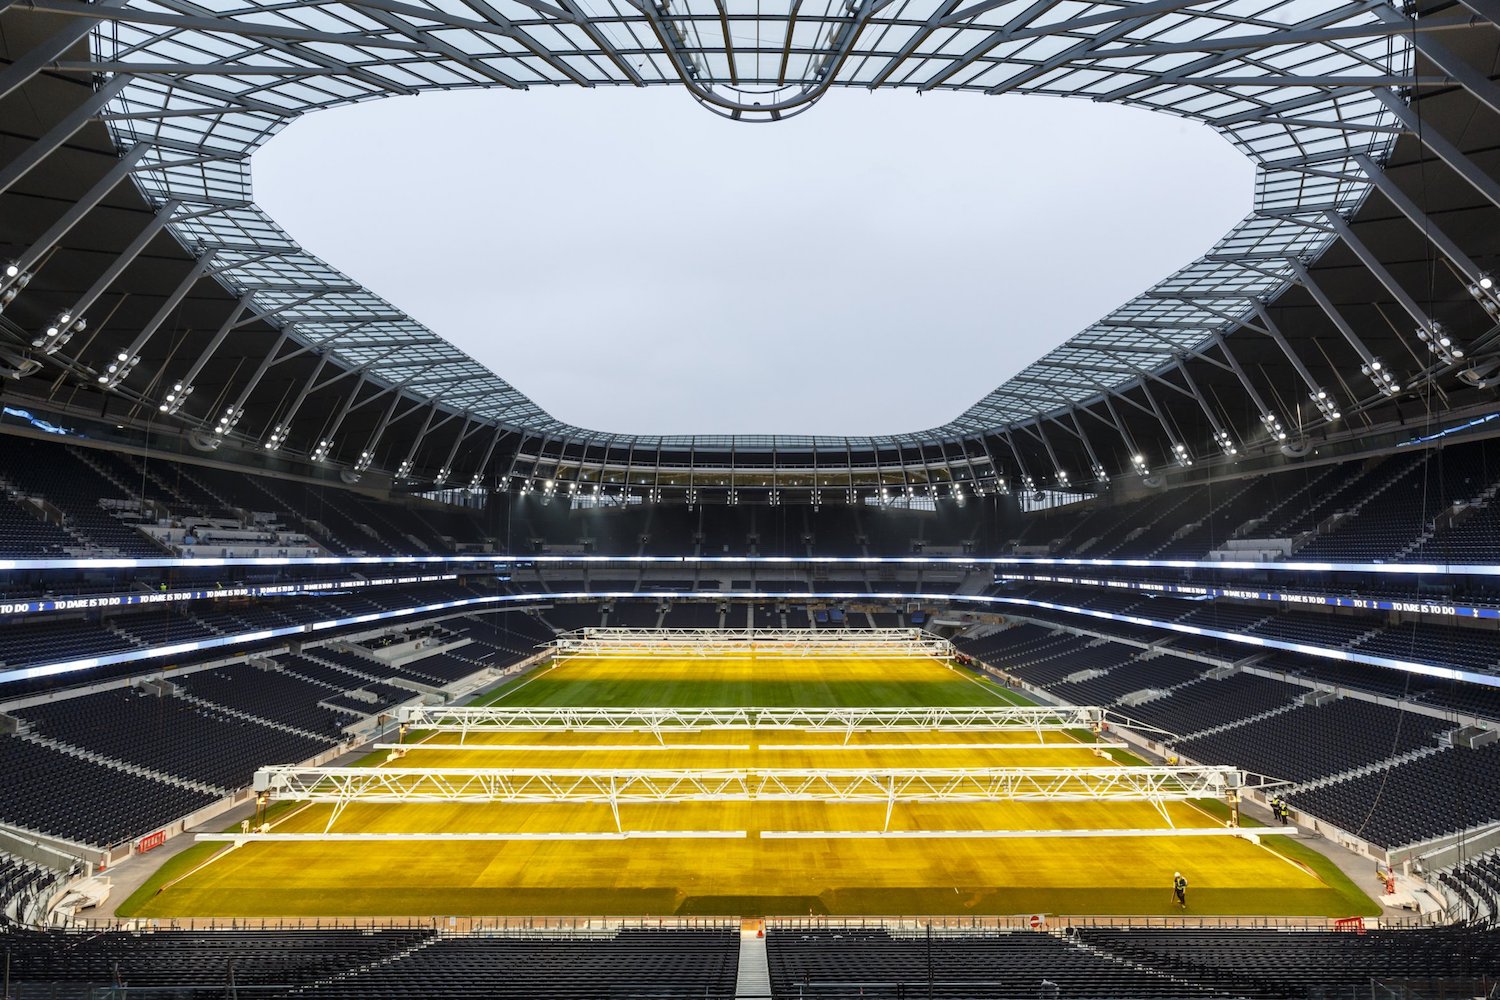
(151, 840)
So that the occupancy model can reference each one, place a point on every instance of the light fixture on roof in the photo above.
(321, 449)
(1226, 443)
(476, 482)
(1324, 401)
(225, 424)
(404, 469)
(1138, 461)
(1487, 293)
(1274, 426)
(1180, 455)
(1441, 343)
(15, 279)
(58, 333)
(117, 370)
(174, 399)
(441, 477)
(363, 462)
(1380, 377)
(1101, 475)
(1062, 477)
(276, 438)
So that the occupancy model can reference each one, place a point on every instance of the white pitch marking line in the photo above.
(250, 838)
(1250, 833)
(937, 746)
(568, 747)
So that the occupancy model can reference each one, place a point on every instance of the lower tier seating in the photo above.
(1454, 789)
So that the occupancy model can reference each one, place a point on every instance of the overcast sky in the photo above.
(635, 264)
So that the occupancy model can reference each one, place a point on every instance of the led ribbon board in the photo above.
(1283, 597)
(523, 600)
(89, 602)
(973, 562)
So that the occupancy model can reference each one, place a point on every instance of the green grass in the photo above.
(1359, 902)
(187, 859)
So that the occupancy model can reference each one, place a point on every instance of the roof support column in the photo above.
(1057, 466)
(1459, 70)
(80, 208)
(1101, 474)
(477, 480)
(1268, 417)
(44, 54)
(328, 434)
(1027, 481)
(447, 468)
(404, 469)
(234, 411)
(1222, 437)
(61, 132)
(1180, 453)
(1137, 457)
(1440, 147)
(1305, 279)
(130, 355)
(71, 321)
(1375, 267)
(1321, 397)
(283, 427)
(1377, 176)
(1371, 367)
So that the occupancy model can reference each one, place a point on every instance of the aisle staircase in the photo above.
(753, 979)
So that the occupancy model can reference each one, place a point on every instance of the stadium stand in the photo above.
(1306, 742)
(1475, 886)
(1443, 792)
(105, 805)
(189, 740)
(270, 695)
(372, 964)
(1273, 964)
(23, 883)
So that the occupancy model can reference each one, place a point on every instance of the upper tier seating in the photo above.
(65, 477)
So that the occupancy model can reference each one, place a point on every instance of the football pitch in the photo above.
(750, 858)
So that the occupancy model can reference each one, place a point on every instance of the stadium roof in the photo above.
(1324, 97)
